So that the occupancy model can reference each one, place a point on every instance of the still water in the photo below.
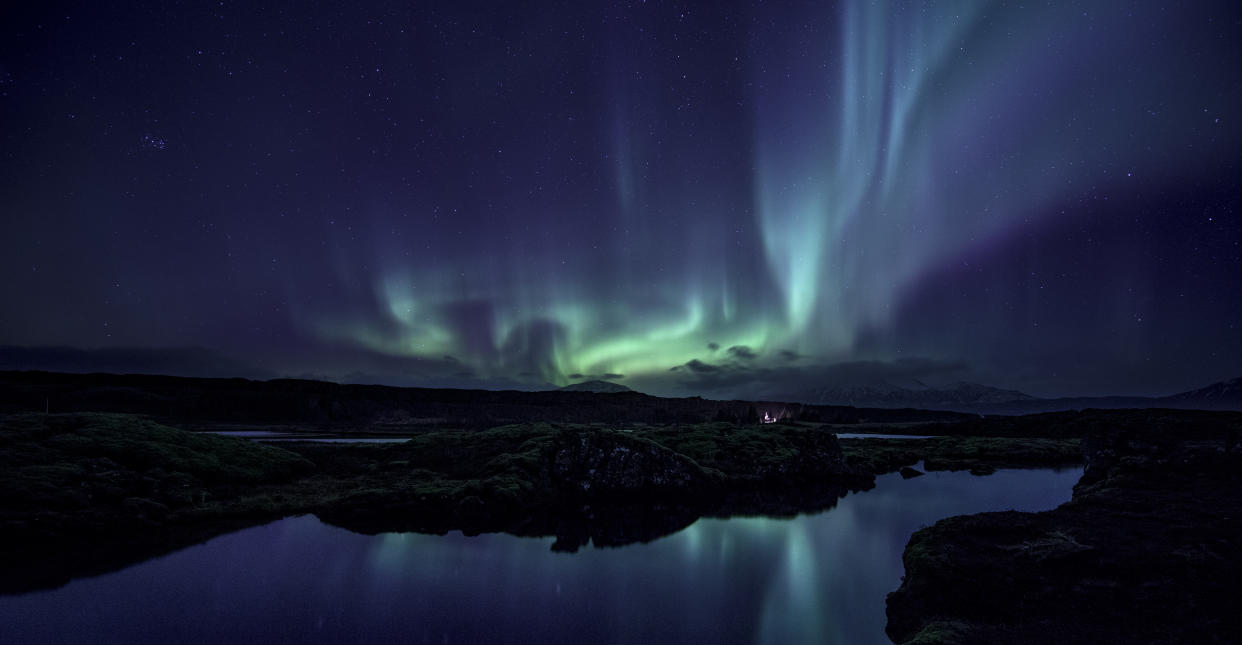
(861, 435)
(269, 436)
(812, 579)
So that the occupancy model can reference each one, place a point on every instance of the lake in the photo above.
(861, 435)
(269, 436)
(812, 579)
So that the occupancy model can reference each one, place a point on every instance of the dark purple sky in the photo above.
(725, 199)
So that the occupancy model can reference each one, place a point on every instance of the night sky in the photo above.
(725, 199)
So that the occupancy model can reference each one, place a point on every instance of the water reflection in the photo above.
(819, 578)
(868, 435)
(272, 436)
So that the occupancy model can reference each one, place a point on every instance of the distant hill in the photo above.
(378, 408)
(203, 402)
(1225, 395)
(174, 361)
(982, 399)
(916, 395)
(599, 387)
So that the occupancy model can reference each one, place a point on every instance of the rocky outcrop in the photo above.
(1149, 550)
(593, 464)
(759, 456)
(579, 482)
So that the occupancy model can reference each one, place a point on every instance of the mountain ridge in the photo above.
(983, 399)
(597, 386)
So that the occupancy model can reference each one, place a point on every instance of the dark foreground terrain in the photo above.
(91, 492)
(81, 493)
(1149, 550)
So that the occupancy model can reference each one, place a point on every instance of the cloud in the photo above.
(790, 355)
(743, 352)
(609, 376)
(894, 371)
(751, 378)
(713, 346)
(697, 366)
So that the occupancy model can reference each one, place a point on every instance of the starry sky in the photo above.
(719, 198)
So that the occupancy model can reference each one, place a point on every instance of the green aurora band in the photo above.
(885, 141)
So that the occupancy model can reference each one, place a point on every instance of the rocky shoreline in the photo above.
(80, 493)
(88, 493)
(1149, 550)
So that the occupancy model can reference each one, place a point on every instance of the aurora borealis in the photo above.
(726, 199)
